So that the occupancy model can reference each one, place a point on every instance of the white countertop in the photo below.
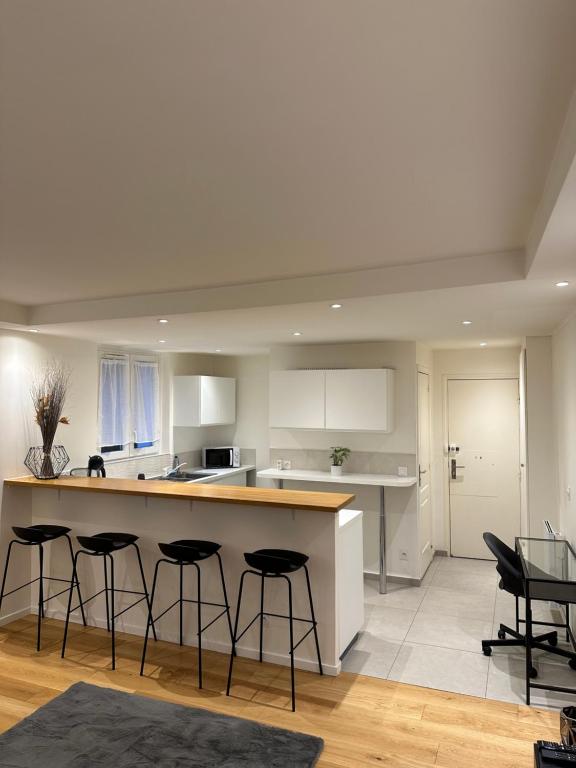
(314, 476)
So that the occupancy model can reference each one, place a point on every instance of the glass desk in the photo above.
(549, 573)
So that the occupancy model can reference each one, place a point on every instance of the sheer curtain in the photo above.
(145, 400)
(114, 405)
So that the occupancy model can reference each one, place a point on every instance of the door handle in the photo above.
(420, 473)
(454, 467)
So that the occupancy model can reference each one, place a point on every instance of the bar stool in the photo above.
(275, 564)
(181, 553)
(37, 536)
(104, 545)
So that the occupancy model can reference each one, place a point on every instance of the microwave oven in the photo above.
(221, 457)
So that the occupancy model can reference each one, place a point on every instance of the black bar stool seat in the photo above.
(105, 545)
(189, 550)
(276, 564)
(38, 535)
(275, 561)
(181, 553)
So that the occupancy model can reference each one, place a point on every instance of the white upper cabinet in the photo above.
(297, 399)
(360, 400)
(341, 400)
(201, 401)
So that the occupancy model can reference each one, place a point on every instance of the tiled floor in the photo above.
(431, 636)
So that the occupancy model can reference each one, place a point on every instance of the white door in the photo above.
(483, 463)
(424, 489)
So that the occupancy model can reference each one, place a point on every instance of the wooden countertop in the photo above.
(313, 501)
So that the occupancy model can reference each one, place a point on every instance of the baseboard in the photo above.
(211, 645)
(15, 615)
(394, 579)
(440, 553)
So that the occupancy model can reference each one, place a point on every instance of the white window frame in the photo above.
(130, 451)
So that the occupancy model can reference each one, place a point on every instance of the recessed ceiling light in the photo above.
(335, 306)
(218, 350)
(297, 333)
(161, 341)
(34, 330)
(162, 320)
(483, 343)
(466, 322)
(562, 284)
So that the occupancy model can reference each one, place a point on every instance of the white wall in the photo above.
(542, 473)
(564, 367)
(483, 362)
(21, 356)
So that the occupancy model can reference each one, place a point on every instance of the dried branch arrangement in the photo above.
(48, 392)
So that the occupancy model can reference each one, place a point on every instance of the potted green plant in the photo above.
(338, 456)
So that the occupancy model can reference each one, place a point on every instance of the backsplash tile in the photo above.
(368, 462)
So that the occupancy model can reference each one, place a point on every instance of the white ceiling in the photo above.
(150, 146)
(210, 148)
(500, 314)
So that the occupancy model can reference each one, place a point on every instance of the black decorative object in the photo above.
(46, 465)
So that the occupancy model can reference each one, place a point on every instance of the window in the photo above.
(129, 406)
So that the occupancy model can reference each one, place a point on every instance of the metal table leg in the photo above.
(383, 588)
(280, 484)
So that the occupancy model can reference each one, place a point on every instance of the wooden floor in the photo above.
(364, 721)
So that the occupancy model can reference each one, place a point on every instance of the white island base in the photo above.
(333, 541)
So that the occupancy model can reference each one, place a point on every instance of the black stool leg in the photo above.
(69, 540)
(40, 593)
(226, 603)
(137, 548)
(181, 604)
(291, 622)
(106, 593)
(199, 629)
(235, 634)
(261, 615)
(150, 618)
(313, 619)
(567, 622)
(112, 604)
(68, 610)
(5, 572)
(517, 615)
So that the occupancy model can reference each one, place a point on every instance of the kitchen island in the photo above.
(241, 519)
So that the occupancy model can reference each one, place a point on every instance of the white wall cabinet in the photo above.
(356, 400)
(359, 400)
(297, 399)
(201, 401)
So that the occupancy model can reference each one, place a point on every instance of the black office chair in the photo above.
(509, 566)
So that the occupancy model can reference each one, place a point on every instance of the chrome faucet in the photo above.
(174, 468)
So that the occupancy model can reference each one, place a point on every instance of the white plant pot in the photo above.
(336, 471)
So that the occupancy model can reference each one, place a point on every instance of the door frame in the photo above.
(424, 369)
(484, 376)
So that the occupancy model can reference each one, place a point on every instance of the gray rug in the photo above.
(88, 726)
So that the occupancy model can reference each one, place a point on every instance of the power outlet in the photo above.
(402, 471)
(403, 554)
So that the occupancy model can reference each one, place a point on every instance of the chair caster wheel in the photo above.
(486, 650)
(501, 634)
(572, 664)
(533, 673)
(553, 641)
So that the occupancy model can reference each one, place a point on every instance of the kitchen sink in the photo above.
(186, 477)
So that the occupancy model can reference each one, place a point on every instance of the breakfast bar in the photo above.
(241, 519)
